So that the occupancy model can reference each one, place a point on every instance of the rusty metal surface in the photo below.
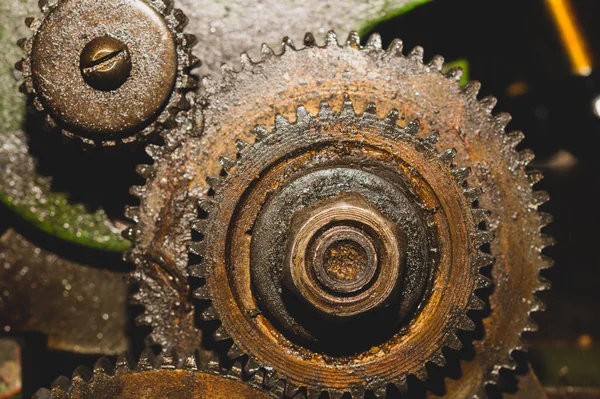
(80, 308)
(277, 84)
(153, 92)
(154, 378)
(319, 162)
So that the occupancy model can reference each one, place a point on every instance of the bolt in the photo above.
(105, 63)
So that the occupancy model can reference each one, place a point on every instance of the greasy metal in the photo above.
(169, 377)
(344, 257)
(105, 63)
(113, 109)
(80, 308)
(276, 84)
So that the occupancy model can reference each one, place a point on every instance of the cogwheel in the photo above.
(277, 84)
(168, 377)
(108, 72)
(338, 223)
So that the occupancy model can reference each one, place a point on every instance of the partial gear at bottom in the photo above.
(334, 224)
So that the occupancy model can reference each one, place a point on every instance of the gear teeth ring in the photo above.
(126, 115)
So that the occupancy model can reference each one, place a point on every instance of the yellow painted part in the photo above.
(571, 35)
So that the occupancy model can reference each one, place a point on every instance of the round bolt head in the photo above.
(105, 63)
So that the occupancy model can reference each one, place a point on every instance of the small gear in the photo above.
(168, 377)
(277, 84)
(337, 223)
(108, 72)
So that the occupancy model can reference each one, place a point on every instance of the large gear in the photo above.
(340, 223)
(163, 377)
(123, 78)
(277, 84)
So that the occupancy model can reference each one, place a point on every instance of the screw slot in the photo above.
(105, 63)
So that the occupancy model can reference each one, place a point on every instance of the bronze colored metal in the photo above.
(154, 378)
(105, 63)
(340, 170)
(277, 84)
(344, 256)
(110, 71)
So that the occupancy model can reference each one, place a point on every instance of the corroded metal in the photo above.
(80, 308)
(277, 84)
(97, 99)
(152, 377)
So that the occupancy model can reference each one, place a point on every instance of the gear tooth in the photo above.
(103, 366)
(417, 54)
(42, 393)
(325, 111)
(234, 352)
(353, 40)
(489, 103)
(20, 65)
(123, 364)
(291, 389)
(194, 62)
(512, 138)
(482, 237)
(548, 241)
(455, 74)
(169, 362)
(251, 367)
(37, 105)
(531, 326)
(439, 359)
(331, 39)
(544, 284)
(453, 342)
(471, 89)
(245, 61)
(143, 319)
(433, 139)
(437, 63)
(286, 43)
(50, 124)
(147, 360)
(540, 198)
(236, 370)
(546, 262)
(534, 176)
(209, 314)
(371, 109)
(347, 108)
(261, 133)
(226, 163)
(29, 22)
(392, 118)
(480, 215)
(482, 282)
(537, 305)
(483, 259)
(266, 51)
(181, 18)
(82, 373)
(137, 191)
(465, 323)
(24, 88)
(461, 174)
(62, 384)
(374, 42)
(526, 156)
(202, 292)
(313, 393)
(448, 156)
(395, 48)
(545, 218)
(412, 129)
(206, 204)
(241, 145)
(302, 115)
(146, 171)
(197, 247)
(476, 303)
(43, 5)
(503, 119)
(220, 334)
(472, 193)
(199, 271)
(154, 151)
(132, 213)
(190, 39)
(215, 182)
(280, 123)
(309, 40)
(190, 363)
